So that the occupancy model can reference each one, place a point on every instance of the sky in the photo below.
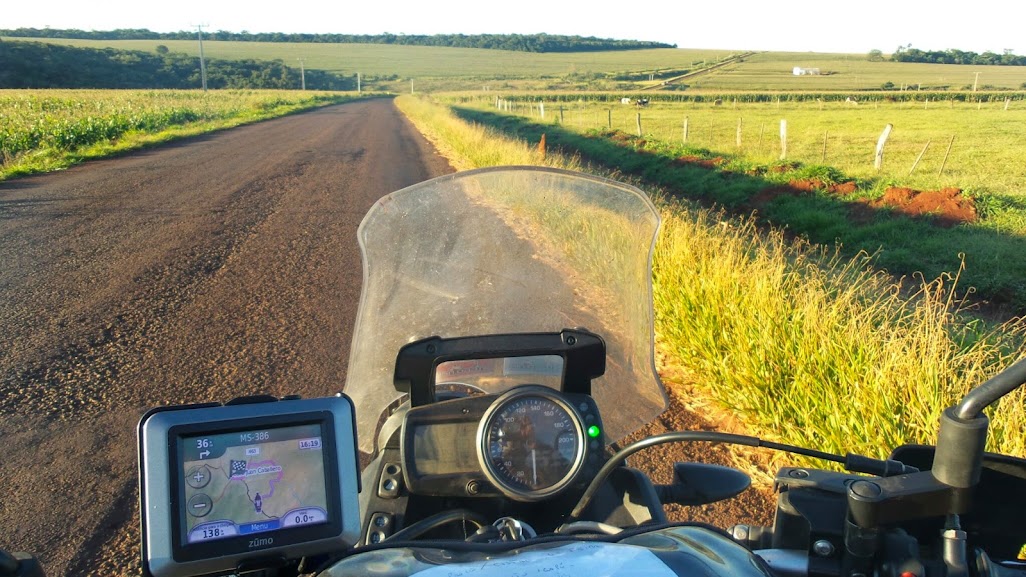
(782, 25)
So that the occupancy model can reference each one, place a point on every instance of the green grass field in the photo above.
(43, 130)
(774, 71)
(763, 71)
(985, 166)
(422, 61)
(985, 156)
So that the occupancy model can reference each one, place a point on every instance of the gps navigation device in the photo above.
(236, 487)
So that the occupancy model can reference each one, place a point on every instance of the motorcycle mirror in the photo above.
(702, 483)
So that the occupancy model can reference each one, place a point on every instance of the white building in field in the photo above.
(799, 71)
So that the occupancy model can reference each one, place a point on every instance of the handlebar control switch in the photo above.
(391, 481)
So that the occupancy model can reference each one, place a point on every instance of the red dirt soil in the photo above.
(947, 207)
(690, 160)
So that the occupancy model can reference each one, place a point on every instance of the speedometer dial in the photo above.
(531, 443)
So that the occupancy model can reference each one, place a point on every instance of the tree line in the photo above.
(951, 56)
(516, 42)
(41, 65)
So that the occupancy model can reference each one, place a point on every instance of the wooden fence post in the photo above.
(783, 139)
(639, 124)
(826, 135)
(878, 162)
(738, 141)
(686, 119)
(1007, 102)
(561, 114)
(609, 118)
(918, 158)
(945, 162)
(541, 108)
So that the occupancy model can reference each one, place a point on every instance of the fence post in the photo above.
(826, 135)
(738, 142)
(878, 162)
(686, 120)
(609, 118)
(561, 114)
(541, 107)
(639, 124)
(1007, 102)
(783, 138)
(945, 162)
(918, 158)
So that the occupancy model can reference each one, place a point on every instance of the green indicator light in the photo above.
(594, 431)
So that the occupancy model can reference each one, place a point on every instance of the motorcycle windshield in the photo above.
(509, 250)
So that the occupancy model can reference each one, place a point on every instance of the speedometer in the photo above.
(531, 443)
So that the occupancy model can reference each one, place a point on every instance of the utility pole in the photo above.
(203, 63)
(302, 73)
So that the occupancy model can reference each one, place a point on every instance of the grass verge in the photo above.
(47, 130)
(802, 344)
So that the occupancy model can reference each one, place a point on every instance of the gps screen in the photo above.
(253, 481)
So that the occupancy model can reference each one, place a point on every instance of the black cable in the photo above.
(676, 437)
(437, 520)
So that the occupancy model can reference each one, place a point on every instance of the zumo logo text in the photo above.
(261, 542)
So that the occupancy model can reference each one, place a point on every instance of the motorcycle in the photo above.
(503, 345)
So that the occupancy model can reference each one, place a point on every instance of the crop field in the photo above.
(422, 61)
(39, 129)
(761, 71)
(774, 71)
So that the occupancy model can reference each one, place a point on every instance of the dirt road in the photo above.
(220, 266)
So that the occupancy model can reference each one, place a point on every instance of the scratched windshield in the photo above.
(509, 250)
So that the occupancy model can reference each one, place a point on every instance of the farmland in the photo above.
(46, 130)
(425, 61)
(773, 71)
(796, 193)
(465, 68)
(984, 157)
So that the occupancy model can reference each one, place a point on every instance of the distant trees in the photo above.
(517, 42)
(952, 56)
(40, 65)
(875, 55)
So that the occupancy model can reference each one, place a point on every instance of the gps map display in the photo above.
(254, 481)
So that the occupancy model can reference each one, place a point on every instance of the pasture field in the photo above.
(421, 61)
(774, 71)
(986, 155)
(44, 130)
(989, 242)
(802, 344)
(464, 68)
